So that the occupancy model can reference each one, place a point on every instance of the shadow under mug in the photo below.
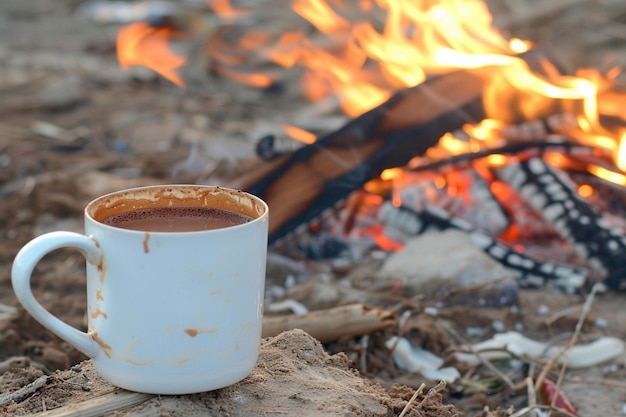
(168, 312)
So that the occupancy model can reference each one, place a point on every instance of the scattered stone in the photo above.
(438, 262)
(63, 93)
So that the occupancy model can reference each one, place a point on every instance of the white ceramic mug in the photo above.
(168, 312)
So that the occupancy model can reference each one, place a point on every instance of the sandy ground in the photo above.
(74, 126)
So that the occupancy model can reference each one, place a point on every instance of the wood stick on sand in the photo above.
(98, 406)
(331, 324)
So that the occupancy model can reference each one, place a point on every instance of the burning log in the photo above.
(551, 193)
(325, 172)
(528, 272)
(300, 186)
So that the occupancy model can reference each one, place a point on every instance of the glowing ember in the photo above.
(298, 134)
(585, 190)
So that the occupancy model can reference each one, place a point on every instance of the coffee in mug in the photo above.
(177, 219)
(172, 309)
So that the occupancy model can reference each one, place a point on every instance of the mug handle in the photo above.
(21, 272)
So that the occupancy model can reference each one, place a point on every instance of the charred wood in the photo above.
(551, 193)
(270, 147)
(533, 147)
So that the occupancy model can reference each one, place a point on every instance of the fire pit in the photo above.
(477, 110)
(482, 143)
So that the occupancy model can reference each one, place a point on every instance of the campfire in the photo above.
(454, 125)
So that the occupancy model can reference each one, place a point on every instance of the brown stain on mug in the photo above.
(100, 266)
(99, 294)
(216, 291)
(195, 332)
(98, 313)
(245, 326)
(138, 363)
(192, 332)
(106, 348)
(184, 360)
(101, 269)
(146, 237)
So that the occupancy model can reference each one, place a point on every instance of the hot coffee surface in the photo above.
(176, 219)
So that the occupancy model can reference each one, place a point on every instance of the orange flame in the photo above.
(424, 37)
(225, 9)
(364, 61)
(300, 135)
(142, 44)
(607, 174)
(621, 153)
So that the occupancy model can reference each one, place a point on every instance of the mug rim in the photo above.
(89, 210)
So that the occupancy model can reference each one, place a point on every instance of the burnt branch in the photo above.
(554, 143)
(552, 194)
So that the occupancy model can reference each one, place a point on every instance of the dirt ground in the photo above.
(73, 126)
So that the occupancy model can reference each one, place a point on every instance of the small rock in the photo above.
(437, 262)
(63, 93)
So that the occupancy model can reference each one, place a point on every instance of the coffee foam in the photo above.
(176, 196)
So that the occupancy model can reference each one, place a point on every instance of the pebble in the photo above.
(419, 267)
(63, 93)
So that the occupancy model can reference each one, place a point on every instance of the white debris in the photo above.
(601, 323)
(431, 311)
(415, 359)
(498, 326)
(275, 291)
(543, 309)
(290, 281)
(579, 356)
(286, 305)
(403, 319)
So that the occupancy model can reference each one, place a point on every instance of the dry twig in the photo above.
(331, 324)
(552, 362)
(431, 393)
(24, 392)
(412, 400)
(98, 406)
